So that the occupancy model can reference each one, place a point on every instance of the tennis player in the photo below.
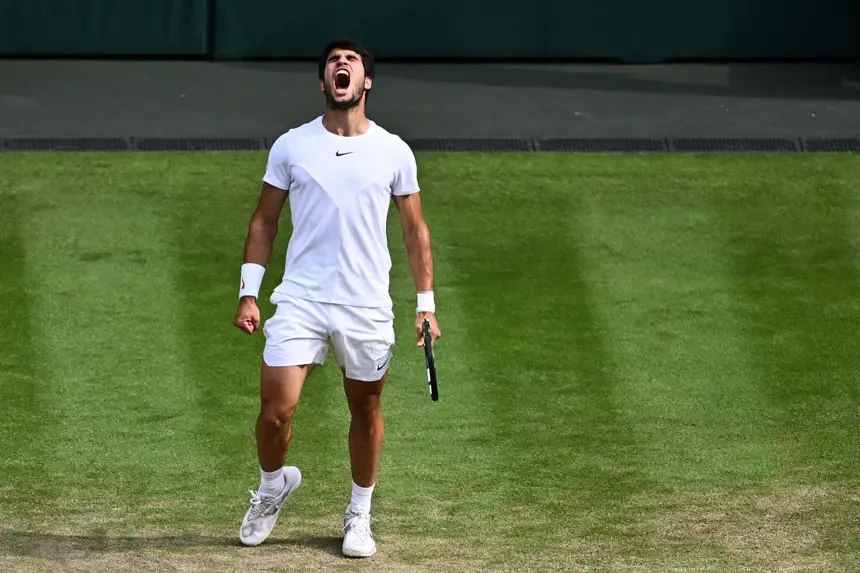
(340, 173)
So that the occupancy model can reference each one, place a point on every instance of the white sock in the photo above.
(272, 483)
(360, 498)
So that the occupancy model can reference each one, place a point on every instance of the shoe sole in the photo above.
(298, 475)
(357, 554)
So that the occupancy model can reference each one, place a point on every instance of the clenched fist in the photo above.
(248, 315)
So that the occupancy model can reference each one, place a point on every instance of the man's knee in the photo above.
(366, 410)
(279, 394)
(275, 414)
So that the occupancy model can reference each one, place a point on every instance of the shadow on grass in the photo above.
(331, 544)
(49, 545)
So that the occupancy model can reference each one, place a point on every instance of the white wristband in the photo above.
(426, 303)
(252, 278)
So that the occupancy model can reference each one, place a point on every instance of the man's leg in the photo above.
(280, 388)
(366, 429)
(366, 433)
(295, 339)
(363, 339)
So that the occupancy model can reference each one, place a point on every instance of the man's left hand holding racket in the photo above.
(428, 332)
(419, 327)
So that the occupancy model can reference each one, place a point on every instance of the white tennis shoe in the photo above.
(262, 516)
(357, 538)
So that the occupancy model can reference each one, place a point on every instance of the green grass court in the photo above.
(648, 364)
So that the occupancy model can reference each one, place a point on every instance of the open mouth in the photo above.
(341, 80)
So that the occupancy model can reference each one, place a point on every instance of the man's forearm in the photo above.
(420, 258)
(258, 248)
(259, 242)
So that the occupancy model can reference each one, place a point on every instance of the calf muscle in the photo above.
(366, 429)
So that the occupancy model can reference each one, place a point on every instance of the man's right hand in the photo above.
(248, 315)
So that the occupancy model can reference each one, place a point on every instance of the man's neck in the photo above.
(346, 122)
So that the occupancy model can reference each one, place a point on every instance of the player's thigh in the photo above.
(363, 341)
(296, 335)
(281, 388)
(362, 396)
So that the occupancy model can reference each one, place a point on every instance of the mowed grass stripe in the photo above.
(208, 205)
(105, 305)
(543, 376)
(654, 248)
(29, 413)
(794, 249)
(795, 271)
(665, 294)
(719, 462)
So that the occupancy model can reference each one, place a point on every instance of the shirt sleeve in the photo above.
(406, 175)
(278, 165)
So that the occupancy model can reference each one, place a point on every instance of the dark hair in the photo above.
(353, 46)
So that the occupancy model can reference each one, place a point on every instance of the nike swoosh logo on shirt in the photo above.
(339, 154)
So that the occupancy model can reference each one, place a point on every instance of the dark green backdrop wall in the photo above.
(625, 30)
(105, 27)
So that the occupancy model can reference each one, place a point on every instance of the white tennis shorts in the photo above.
(300, 330)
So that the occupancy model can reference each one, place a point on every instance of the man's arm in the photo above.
(264, 225)
(258, 247)
(416, 236)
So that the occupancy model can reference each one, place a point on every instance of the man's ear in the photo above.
(368, 83)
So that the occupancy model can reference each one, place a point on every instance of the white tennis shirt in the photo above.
(340, 191)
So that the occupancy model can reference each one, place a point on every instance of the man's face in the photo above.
(344, 81)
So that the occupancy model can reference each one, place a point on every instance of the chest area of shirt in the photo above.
(343, 173)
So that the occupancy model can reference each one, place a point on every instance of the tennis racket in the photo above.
(430, 360)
